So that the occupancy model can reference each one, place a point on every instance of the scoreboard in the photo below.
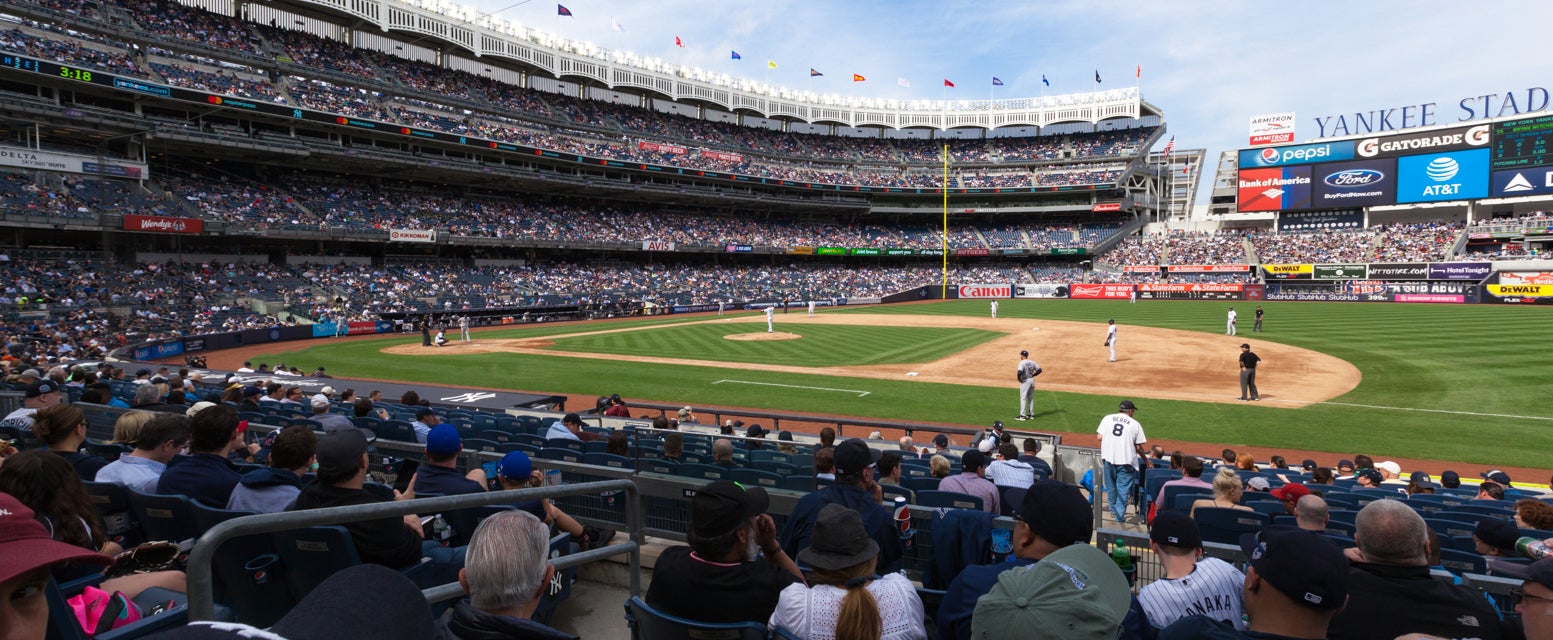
(1522, 143)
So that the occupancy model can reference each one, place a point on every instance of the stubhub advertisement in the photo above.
(1458, 175)
(1275, 189)
(1355, 184)
(1297, 154)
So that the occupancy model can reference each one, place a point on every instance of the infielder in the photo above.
(719, 308)
(1110, 339)
(994, 309)
(811, 308)
(463, 328)
(1026, 373)
(770, 317)
(1229, 328)
(1132, 295)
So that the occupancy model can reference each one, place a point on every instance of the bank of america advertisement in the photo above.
(1274, 189)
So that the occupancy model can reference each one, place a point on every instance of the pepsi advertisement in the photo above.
(1274, 189)
(1355, 184)
(1436, 177)
(1296, 154)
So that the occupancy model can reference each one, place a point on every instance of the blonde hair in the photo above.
(939, 466)
(1226, 483)
(859, 617)
(127, 429)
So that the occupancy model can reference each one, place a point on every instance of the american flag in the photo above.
(1170, 146)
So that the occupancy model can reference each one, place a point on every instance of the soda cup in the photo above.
(903, 522)
(1533, 548)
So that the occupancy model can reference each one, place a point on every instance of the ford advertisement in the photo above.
(1355, 184)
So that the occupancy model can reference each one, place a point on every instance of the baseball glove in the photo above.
(1038, 371)
(1107, 343)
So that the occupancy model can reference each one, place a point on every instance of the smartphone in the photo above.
(491, 472)
(406, 472)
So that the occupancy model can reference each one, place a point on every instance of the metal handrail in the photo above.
(201, 583)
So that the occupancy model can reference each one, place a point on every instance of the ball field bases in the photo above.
(1468, 383)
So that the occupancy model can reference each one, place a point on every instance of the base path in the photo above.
(1151, 362)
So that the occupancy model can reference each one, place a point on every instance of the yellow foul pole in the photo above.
(944, 288)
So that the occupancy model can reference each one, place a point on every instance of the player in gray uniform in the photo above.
(1026, 373)
(1193, 585)
(463, 328)
(1110, 339)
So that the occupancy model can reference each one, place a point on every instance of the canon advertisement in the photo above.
(1275, 189)
(986, 291)
(1361, 183)
(1436, 177)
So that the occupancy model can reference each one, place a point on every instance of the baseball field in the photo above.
(1441, 382)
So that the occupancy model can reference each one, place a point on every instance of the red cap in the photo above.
(1291, 491)
(25, 545)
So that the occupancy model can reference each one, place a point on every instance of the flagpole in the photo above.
(944, 288)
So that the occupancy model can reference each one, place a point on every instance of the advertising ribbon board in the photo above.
(1207, 268)
(1518, 293)
(1144, 268)
(986, 291)
(1341, 271)
(1102, 207)
(1041, 291)
(657, 245)
(1460, 270)
(830, 251)
(800, 251)
(163, 224)
(972, 251)
(1287, 271)
(1069, 251)
(412, 235)
(897, 252)
(1399, 271)
(1082, 291)
(1526, 277)
(865, 251)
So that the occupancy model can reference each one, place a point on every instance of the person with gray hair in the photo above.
(505, 572)
(1311, 513)
(1390, 591)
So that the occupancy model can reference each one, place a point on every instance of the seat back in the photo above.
(647, 623)
(891, 490)
(656, 465)
(701, 471)
(1452, 526)
(111, 502)
(558, 453)
(250, 578)
(1227, 525)
(920, 484)
(756, 477)
(1009, 498)
(1458, 561)
(169, 518)
(803, 483)
(464, 521)
(1169, 500)
(607, 460)
(481, 444)
(313, 554)
(948, 500)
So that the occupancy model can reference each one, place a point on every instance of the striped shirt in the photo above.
(1213, 589)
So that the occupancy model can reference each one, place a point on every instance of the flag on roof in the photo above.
(902, 82)
(996, 82)
(947, 83)
(736, 55)
(1170, 146)
(1140, 72)
(770, 64)
(616, 25)
(679, 43)
(813, 73)
(561, 10)
(858, 78)
(1097, 76)
(1045, 81)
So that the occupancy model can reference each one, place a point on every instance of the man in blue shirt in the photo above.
(440, 476)
(159, 440)
(425, 419)
(207, 475)
(854, 489)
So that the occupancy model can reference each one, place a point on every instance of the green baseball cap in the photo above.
(1076, 593)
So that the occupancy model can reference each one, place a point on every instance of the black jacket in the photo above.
(384, 541)
(464, 622)
(1386, 601)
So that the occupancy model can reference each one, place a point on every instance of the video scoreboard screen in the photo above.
(1522, 143)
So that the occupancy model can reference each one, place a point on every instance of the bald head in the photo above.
(1311, 513)
(907, 444)
(1390, 532)
(722, 450)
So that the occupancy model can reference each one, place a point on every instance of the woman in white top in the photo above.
(846, 601)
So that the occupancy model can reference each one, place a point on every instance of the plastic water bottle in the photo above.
(1533, 548)
(1121, 555)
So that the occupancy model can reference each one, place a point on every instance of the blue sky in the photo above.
(1208, 65)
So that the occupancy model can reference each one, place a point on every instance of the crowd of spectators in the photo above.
(175, 20)
(1417, 242)
(1135, 251)
(71, 50)
(219, 81)
(1314, 247)
(1222, 247)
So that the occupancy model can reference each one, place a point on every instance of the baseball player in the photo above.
(463, 328)
(1026, 373)
(1132, 295)
(1257, 328)
(1229, 328)
(1193, 584)
(1110, 339)
(994, 309)
(770, 317)
(719, 308)
(811, 308)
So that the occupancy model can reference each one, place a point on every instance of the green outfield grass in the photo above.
(1440, 381)
(821, 346)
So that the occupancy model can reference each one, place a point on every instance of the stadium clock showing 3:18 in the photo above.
(71, 73)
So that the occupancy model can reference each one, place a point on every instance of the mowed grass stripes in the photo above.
(1478, 359)
(818, 345)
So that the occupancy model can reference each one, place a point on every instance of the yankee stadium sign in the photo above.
(1490, 105)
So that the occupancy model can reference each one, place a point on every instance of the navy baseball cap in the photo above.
(1540, 572)
(41, 387)
(1127, 405)
(941, 440)
(515, 465)
(1345, 464)
(443, 440)
(1372, 474)
(1497, 476)
(853, 456)
(1057, 512)
(423, 412)
(723, 505)
(1175, 529)
(1499, 533)
(1302, 565)
(1450, 479)
(973, 460)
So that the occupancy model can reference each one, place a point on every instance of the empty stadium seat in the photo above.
(1451, 527)
(920, 484)
(756, 477)
(1228, 525)
(607, 460)
(656, 465)
(647, 623)
(1460, 562)
(948, 500)
(701, 471)
(168, 518)
(563, 454)
(111, 501)
(801, 483)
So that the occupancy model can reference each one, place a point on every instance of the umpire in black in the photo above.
(1248, 362)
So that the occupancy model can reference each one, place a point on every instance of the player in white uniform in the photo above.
(1193, 585)
(811, 308)
(1026, 374)
(463, 328)
(770, 316)
(1132, 295)
(1229, 328)
(1121, 445)
(994, 309)
(719, 308)
(1110, 339)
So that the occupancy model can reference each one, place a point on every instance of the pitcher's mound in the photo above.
(778, 335)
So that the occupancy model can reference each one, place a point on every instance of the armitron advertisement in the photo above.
(986, 291)
(1081, 291)
(1272, 128)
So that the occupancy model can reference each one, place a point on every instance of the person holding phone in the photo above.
(516, 471)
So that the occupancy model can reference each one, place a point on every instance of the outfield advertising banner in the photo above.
(738, 248)
(1207, 268)
(985, 291)
(1275, 189)
(657, 245)
(973, 251)
(1363, 183)
(1041, 291)
(1474, 271)
(866, 251)
(1287, 271)
(1140, 268)
(1191, 291)
(412, 235)
(1531, 181)
(1458, 175)
(163, 224)
(1518, 293)
(1083, 291)
(1399, 271)
(1340, 271)
(800, 251)
(1525, 277)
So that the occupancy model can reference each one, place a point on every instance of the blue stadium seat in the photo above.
(481, 444)
(497, 435)
(890, 491)
(948, 500)
(531, 450)
(106, 451)
(1170, 499)
(464, 521)
(529, 439)
(701, 471)
(656, 465)
(762, 455)
(1267, 507)
(647, 623)
(249, 576)
(1479, 509)
(1227, 525)
(111, 501)
(396, 430)
(607, 460)
(756, 477)
(800, 483)
(1452, 526)
(920, 484)
(564, 443)
(1343, 515)
(169, 518)
(312, 554)
(1342, 501)
(1342, 542)
(557, 453)
(1344, 528)
(1461, 562)
(915, 471)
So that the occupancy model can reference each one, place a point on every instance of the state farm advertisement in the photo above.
(661, 148)
(1207, 268)
(163, 224)
(1272, 128)
(1192, 287)
(986, 291)
(1081, 291)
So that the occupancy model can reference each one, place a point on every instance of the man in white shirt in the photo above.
(1110, 339)
(1193, 585)
(425, 419)
(1009, 471)
(1121, 444)
(159, 440)
(1229, 328)
(40, 395)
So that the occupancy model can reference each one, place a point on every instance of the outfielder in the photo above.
(994, 309)
(1110, 339)
(811, 308)
(1229, 328)
(770, 317)
(1026, 373)
(463, 328)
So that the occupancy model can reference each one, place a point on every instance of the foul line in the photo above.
(1459, 413)
(794, 386)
